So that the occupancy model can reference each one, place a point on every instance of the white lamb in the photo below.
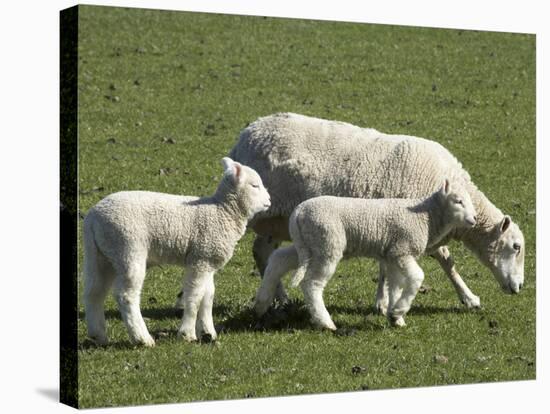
(128, 231)
(300, 157)
(393, 231)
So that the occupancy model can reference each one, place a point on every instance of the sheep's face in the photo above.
(506, 255)
(250, 192)
(458, 206)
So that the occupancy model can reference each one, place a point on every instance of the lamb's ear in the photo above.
(238, 170)
(505, 224)
(227, 163)
(446, 187)
(232, 168)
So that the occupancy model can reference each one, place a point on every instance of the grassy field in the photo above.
(163, 96)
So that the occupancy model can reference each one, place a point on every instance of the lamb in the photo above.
(128, 231)
(300, 157)
(394, 231)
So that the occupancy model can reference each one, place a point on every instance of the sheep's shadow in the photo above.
(290, 318)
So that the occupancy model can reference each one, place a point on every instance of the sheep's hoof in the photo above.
(98, 340)
(260, 308)
(397, 321)
(328, 325)
(381, 309)
(187, 337)
(147, 342)
(207, 338)
(471, 302)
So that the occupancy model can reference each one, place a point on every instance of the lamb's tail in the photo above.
(304, 254)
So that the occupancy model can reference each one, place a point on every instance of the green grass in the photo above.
(147, 76)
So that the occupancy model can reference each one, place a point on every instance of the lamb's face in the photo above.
(460, 211)
(251, 193)
(506, 255)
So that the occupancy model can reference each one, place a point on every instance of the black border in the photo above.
(68, 386)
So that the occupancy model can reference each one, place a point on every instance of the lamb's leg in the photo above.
(280, 262)
(99, 275)
(262, 249)
(443, 256)
(394, 280)
(382, 298)
(413, 277)
(193, 292)
(205, 322)
(127, 289)
(317, 275)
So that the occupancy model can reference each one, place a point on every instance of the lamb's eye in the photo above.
(517, 247)
(255, 185)
(459, 201)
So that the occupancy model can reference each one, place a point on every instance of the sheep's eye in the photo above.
(255, 185)
(459, 201)
(517, 247)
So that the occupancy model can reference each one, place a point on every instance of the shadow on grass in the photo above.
(290, 318)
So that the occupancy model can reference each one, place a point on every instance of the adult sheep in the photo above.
(300, 157)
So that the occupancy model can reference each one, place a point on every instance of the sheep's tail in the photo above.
(304, 254)
(91, 270)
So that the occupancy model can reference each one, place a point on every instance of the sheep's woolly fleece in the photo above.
(300, 157)
(329, 228)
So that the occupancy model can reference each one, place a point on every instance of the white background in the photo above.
(29, 206)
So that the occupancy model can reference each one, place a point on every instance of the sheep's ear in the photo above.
(238, 172)
(505, 224)
(227, 163)
(446, 187)
(233, 168)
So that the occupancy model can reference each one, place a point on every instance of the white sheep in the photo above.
(394, 231)
(300, 157)
(128, 231)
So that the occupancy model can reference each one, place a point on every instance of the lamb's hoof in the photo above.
(147, 342)
(260, 308)
(471, 302)
(381, 309)
(397, 321)
(207, 338)
(187, 337)
(98, 340)
(328, 325)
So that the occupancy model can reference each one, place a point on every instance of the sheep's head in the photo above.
(245, 187)
(458, 208)
(505, 255)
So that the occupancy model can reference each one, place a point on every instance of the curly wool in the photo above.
(384, 229)
(300, 157)
(128, 231)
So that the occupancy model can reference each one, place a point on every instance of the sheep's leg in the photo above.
(205, 322)
(394, 280)
(193, 292)
(179, 304)
(413, 276)
(382, 298)
(127, 289)
(262, 249)
(99, 275)
(317, 276)
(443, 256)
(280, 262)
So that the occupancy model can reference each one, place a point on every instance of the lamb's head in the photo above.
(505, 255)
(243, 186)
(457, 205)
